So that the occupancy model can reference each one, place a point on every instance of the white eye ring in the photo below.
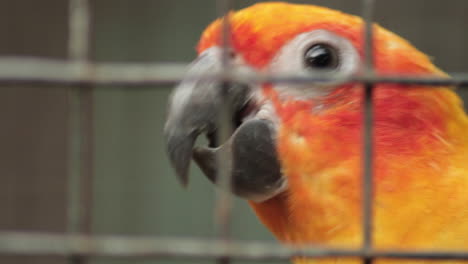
(290, 60)
(290, 57)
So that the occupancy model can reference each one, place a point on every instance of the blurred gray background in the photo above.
(134, 190)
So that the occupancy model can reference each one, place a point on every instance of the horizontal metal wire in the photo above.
(56, 72)
(17, 70)
(44, 244)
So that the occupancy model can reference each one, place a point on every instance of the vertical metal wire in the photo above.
(223, 208)
(79, 18)
(367, 179)
(80, 124)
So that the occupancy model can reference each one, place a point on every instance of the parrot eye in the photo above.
(314, 52)
(321, 56)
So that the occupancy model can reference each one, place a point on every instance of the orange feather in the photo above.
(421, 147)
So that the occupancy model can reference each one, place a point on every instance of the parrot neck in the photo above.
(420, 149)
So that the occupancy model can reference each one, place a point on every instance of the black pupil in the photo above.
(321, 56)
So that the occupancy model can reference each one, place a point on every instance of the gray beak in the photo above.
(193, 109)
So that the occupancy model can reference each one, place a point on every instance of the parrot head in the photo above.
(296, 147)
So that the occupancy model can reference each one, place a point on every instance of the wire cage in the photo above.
(82, 74)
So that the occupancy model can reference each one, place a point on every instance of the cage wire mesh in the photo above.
(82, 74)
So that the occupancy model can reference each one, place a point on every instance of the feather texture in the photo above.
(420, 139)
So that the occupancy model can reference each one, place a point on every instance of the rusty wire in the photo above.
(367, 135)
(82, 74)
(223, 205)
(80, 128)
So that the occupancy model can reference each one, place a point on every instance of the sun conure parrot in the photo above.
(297, 147)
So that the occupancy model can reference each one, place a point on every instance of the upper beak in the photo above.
(193, 109)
